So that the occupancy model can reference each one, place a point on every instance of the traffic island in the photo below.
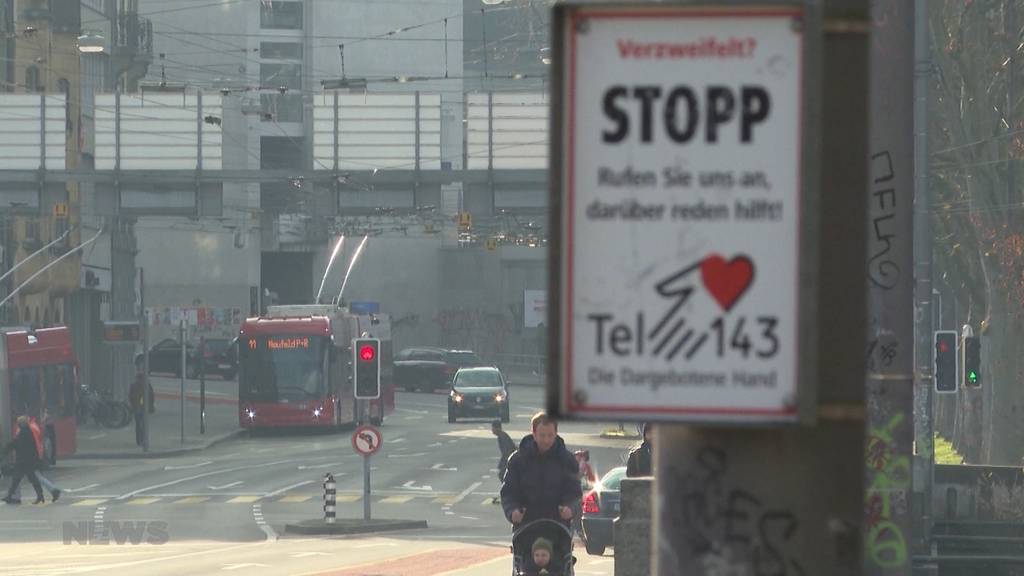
(343, 526)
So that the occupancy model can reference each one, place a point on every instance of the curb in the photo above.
(350, 526)
(154, 454)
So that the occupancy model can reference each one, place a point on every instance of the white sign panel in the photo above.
(681, 213)
(535, 308)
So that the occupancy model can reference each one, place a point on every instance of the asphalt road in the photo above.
(224, 509)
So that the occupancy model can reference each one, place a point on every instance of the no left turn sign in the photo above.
(366, 440)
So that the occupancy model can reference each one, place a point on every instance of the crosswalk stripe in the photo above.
(142, 501)
(396, 499)
(243, 499)
(192, 500)
(90, 502)
(444, 500)
(294, 498)
(487, 502)
(348, 498)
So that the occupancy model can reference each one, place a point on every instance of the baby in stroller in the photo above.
(542, 547)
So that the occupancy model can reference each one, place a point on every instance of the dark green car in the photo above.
(478, 393)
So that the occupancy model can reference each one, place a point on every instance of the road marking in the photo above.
(468, 518)
(250, 565)
(233, 484)
(308, 554)
(435, 445)
(286, 489)
(486, 476)
(412, 418)
(440, 466)
(293, 499)
(376, 545)
(408, 411)
(462, 495)
(410, 486)
(192, 500)
(142, 501)
(348, 497)
(90, 502)
(318, 466)
(395, 500)
(488, 502)
(447, 500)
(257, 514)
(96, 436)
(243, 499)
(188, 466)
(72, 490)
(396, 440)
(198, 476)
(416, 455)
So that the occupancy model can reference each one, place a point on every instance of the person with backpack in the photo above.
(37, 437)
(25, 464)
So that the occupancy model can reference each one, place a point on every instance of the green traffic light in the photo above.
(972, 377)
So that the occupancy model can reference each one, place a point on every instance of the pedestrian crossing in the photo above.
(288, 498)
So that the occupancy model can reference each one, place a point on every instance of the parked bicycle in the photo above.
(103, 410)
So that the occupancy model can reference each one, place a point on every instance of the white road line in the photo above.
(468, 518)
(257, 513)
(408, 411)
(416, 455)
(440, 466)
(72, 490)
(412, 418)
(318, 466)
(188, 466)
(409, 486)
(462, 495)
(225, 486)
(96, 436)
(286, 489)
(396, 440)
(198, 476)
(435, 445)
(248, 565)
(308, 554)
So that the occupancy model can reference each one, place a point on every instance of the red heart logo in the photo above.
(727, 281)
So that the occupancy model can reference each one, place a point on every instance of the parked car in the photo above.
(600, 509)
(479, 392)
(430, 368)
(165, 356)
(220, 357)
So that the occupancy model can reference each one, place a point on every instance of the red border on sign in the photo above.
(375, 432)
(567, 272)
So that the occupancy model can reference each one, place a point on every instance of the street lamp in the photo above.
(92, 43)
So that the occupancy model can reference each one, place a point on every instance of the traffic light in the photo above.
(972, 361)
(367, 367)
(945, 361)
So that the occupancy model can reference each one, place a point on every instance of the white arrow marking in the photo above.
(237, 566)
(82, 488)
(189, 466)
(233, 484)
(416, 455)
(286, 489)
(443, 469)
(308, 554)
(409, 485)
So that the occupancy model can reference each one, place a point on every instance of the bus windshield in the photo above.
(286, 368)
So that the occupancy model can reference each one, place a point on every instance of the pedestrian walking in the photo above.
(26, 461)
(137, 398)
(541, 480)
(37, 437)
(640, 462)
(506, 447)
(587, 476)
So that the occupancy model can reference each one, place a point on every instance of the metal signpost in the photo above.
(366, 441)
(680, 214)
(184, 371)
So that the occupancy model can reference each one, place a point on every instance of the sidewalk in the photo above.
(164, 430)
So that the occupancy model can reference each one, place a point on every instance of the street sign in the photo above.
(679, 205)
(366, 440)
(60, 210)
(122, 332)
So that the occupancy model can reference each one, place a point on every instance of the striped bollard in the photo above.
(329, 497)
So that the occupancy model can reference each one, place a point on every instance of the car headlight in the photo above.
(457, 398)
(499, 398)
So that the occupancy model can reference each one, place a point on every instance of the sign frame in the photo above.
(561, 397)
(121, 326)
(371, 430)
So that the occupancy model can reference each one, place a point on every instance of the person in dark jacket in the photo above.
(639, 463)
(506, 446)
(26, 462)
(541, 478)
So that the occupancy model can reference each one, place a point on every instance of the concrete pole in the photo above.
(751, 501)
(145, 360)
(890, 286)
(924, 316)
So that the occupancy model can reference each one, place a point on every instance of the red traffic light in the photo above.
(367, 353)
(943, 346)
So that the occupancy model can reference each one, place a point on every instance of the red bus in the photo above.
(39, 378)
(295, 369)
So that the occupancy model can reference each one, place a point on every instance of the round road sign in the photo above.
(366, 440)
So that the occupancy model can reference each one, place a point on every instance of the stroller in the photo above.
(559, 534)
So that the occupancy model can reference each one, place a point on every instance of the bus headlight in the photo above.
(250, 413)
(316, 412)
